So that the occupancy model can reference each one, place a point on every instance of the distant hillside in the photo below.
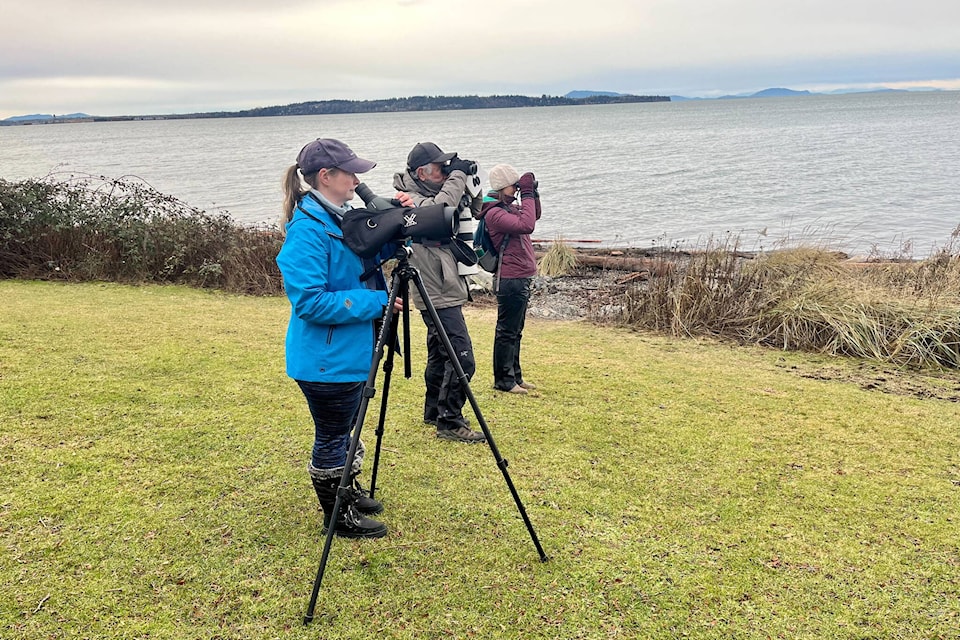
(423, 103)
(775, 92)
(779, 92)
(414, 103)
(578, 95)
(40, 117)
(881, 90)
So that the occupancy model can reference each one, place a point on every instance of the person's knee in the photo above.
(465, 357)
(469, 366)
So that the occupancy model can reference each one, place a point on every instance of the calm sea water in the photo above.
(853, 172)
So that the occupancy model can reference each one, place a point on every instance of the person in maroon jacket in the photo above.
(510, 227)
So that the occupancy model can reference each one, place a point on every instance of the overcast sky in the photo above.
(129, 57)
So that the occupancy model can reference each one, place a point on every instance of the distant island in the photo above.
(437, 103)
(73, 117)
(780, 92)
(391, 105)
(773, 92)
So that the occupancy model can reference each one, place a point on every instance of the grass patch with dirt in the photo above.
(153, 484)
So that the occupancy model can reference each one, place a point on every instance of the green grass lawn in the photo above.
(153, 484)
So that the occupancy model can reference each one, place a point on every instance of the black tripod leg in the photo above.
(387, 374)
(368, 392)
(403, 318)
(404, 291)
(462, 377)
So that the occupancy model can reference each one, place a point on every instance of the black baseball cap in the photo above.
(327, 153)
(426, 153)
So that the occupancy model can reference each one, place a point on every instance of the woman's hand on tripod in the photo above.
(398, 305)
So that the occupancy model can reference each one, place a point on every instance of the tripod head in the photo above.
(403, 253)
(403, 273)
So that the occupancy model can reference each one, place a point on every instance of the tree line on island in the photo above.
(437, 103)
(413, 103)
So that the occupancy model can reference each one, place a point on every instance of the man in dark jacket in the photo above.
(435, 177)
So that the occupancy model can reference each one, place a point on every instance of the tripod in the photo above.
(403, 273)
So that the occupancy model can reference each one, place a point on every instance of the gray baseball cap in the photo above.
(327, 153)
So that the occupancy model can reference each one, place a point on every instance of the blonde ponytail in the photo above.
(292, 192)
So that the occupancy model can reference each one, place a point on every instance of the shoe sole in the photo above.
(452, 438)
(377, 533)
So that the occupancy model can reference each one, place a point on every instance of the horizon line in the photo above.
(839, 90)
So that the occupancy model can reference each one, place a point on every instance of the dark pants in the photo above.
(334, 408)
(512, 298)
(445, 395)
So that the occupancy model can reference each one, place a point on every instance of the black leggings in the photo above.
(512, 299)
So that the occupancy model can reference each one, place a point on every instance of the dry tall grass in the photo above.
(812, 300)
(559, 260)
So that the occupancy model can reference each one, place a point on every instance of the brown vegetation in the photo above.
(904, 313)
(900, 312)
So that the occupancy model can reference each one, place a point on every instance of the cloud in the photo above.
(183, 55)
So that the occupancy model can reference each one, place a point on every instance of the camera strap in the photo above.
(370, 265)
(496, 273)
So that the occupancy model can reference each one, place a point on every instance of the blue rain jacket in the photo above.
(330, 337)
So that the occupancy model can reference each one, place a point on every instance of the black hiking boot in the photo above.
(365, 504)
(350, 523)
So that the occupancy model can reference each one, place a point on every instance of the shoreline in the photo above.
(591, 291)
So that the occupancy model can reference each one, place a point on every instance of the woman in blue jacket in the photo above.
(330, 336)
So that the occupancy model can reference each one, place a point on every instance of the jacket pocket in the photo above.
(330, 334)
(448, 268)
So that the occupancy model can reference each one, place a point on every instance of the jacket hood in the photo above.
(408, 182)
(491, 200)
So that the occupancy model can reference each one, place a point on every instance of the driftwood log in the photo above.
(620, 262)
(624, 263)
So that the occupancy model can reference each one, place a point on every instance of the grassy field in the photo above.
(153, 484)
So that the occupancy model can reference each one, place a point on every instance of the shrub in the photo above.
(87, 228)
